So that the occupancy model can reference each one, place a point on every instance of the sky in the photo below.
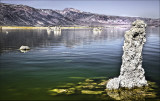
(132, 8)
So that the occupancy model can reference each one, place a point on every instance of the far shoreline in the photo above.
(67, 27)
(62, 27)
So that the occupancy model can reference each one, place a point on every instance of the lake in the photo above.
(67, 57)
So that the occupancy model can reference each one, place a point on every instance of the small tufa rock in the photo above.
(24, 48)
(113, 83)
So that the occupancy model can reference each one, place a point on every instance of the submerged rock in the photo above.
(89, 86)
(131, 73)
(103, 83)
(91, 92)
(96, 87)
(89, 80)
(136, 94)
(63, 91)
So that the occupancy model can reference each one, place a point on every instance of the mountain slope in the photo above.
(27, 16)
(21, 15)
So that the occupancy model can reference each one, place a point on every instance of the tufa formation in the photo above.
(131, 73)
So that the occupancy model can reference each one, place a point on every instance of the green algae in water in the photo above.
(97, 87)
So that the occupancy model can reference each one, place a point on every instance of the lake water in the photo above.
(67, 57)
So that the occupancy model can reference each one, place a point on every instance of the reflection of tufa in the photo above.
(57, 33)
(97, 30)
(49, 30)
(56, 30)
(131, 73)
(24, 48)
(24, 51)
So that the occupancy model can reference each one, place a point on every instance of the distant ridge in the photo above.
(22, 15)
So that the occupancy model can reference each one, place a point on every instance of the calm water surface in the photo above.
(66, 57)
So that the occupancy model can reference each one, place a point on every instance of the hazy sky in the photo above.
(141, 8)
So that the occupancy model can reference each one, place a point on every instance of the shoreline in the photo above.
(31, 27)
(63, 27)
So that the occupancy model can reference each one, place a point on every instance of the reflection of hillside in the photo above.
(152, 30)
(81, 37)
(15, 38)
(69, 37)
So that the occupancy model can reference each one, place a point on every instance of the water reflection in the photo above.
(24, 51)
(73, 53)
(13, 39)
(57, 33)
(69, 37)
(49, 32)
(97, 30)
(56, 30)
